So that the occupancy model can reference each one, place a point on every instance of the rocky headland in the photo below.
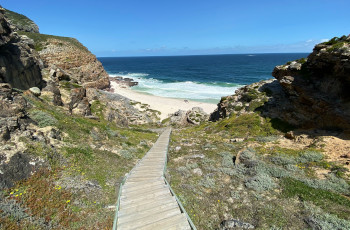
(310, 93)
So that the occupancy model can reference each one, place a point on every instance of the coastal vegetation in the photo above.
(236, 169)
(41, 40)
(79, 184)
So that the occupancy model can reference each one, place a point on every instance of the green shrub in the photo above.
(10, 208)
(331, 183)
(191, 165)
(318, 219)
(261, 182)
(227, 160)
(310, 156)
(320, 197)
(184, 171)
(250, 95)
(126, 154)
(42, 118)
(283, 160)
(207, 182)
(229, 171)
(301, 60)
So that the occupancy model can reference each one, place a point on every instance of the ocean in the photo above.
(204, 78)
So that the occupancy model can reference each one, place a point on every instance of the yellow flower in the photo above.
(16, 195)
(218, 200)
(11, 193)
(20, 194)
(67, 201)
(16, 190)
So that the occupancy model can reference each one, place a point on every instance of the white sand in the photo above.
(163, 104)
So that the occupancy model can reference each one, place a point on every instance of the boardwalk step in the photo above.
(142, 192)
(145, 189)
(144, 197)
(136, 185)
(137, 224)
(147, 203)
(134, 217)
(144, 208)
(178, 222)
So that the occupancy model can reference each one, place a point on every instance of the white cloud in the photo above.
(324, 40)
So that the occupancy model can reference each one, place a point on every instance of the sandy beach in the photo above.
(165, 105)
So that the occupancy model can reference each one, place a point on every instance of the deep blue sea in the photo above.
(202, 78)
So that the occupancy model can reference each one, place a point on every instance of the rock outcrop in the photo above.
(67, 59)
(19, 22)
(307, 93)
(20, 64)
(191, 117)
(120, 110)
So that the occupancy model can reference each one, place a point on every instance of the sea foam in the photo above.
(204, 92)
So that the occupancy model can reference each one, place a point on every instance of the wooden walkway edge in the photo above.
(146, 200)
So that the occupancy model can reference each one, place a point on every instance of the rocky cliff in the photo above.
(19, 22)
(20, 63)
(69, 55)
(309, 93)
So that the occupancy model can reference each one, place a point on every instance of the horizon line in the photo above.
(185, 55)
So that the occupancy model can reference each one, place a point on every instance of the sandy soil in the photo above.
(165, 105)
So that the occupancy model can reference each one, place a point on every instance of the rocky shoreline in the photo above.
(123, 82)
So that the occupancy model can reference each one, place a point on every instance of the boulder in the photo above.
(57, 74)
(179, 118)
(79, 104)
(235, 224)
(35, 91)
(52, 87)
(196, 115)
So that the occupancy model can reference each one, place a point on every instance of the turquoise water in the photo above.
(202, 78)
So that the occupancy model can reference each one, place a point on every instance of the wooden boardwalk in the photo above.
(147, 201)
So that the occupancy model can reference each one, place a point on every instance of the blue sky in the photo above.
(187, 27)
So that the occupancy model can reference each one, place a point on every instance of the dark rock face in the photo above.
(19, 63)
(12, 110)
(317, 90)
(17, 169)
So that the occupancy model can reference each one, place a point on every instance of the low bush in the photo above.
(318, 219)
(261, 182)
(42, 118)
